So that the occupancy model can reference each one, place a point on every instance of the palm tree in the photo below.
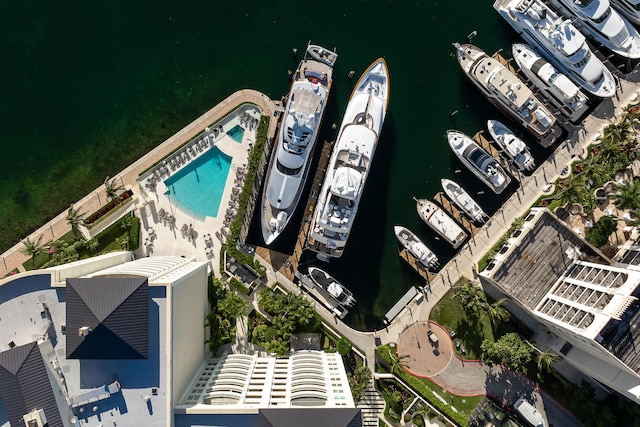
(572, 192)
(471, 298)
(75, 220)
(112, 188)
(32, 248)
(496, 312)
(546, 359)
(627, 196)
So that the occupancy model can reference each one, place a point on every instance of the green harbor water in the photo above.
(87, 88)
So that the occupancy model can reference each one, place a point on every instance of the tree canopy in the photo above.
(509, 350)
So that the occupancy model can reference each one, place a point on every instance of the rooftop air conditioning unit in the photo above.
(35, 418)
(84, 331)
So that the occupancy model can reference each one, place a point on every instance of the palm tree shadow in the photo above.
(508, 386)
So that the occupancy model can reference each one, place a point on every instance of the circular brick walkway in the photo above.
(422, 356)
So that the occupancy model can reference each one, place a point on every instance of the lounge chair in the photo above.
(161, 213)
(184, 228)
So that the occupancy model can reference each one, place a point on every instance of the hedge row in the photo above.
(108, 207)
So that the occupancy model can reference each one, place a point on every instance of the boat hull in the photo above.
(440, 222)
(463, 201)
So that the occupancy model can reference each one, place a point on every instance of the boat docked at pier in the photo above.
(350, 163)
(507, 92)
(598, 20)
(291, 157)
(561, 91)
(559, 42)
(512, 146)
(630, 9)
(416, 247)
(463, 201)
(478, 161)
(331, 287)
(440, 222)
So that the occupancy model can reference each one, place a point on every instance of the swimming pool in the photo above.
(197, 188)
(236, 133)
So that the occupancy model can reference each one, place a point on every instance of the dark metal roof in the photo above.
(24, 385)
(539, 259)
(310, 417)
(117, 311)
(622, 337)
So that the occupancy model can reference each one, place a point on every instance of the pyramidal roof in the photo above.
(107, 318)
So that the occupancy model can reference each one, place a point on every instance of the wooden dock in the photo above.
(417, 267)
(288, 265)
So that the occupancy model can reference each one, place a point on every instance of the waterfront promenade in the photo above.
(58, 226)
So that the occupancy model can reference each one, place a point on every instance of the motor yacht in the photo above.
(416, 247)
(507, 92)
(291, 157)
(331, 287)
(558, 41)
(512, 146)
(597, 19)
(557, 87)
(445, 226)
(629, 9)
(461, 198)
(478, 161)
(350, 163)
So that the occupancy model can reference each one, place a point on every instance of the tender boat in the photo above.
(414, 245)
(629, 8)
(463, 201)
(596, 19)
(321, 54)
(325, 282)
(512, 146)
(350, 163)
(559, 42)
(561, 91)
(507, 92)
(440, 222)
(291, 157)
(478, 161)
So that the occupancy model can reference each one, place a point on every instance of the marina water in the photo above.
(88, 88)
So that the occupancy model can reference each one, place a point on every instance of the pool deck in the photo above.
(172, 243)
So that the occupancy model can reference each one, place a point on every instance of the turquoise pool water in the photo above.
(236, 133)
(197, 188)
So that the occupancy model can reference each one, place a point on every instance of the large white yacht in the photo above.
(561, 91)
(605, 25)
(440, 222)
(296, 139)
(559, 42)
(416, 247)
(512, 146)
(478, 161)
(629, 8)
(461, 198)
(507, 92)
(350, 163)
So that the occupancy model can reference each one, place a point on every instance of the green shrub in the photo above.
(599, 234)
(239, 286)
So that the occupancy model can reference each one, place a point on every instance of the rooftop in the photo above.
(535, 258)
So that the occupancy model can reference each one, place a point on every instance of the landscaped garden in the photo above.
(121, 235)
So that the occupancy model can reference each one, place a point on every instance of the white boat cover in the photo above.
(346, 182)
(335, 289)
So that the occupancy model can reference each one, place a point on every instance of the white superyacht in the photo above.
(512, 146)
(507, 92)
(559, 42)
(605, 25)
(461, 198)
(561, 91)
(291, 157)
(440, 222)
(629, 8)
(350, 163)
(478, 161)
